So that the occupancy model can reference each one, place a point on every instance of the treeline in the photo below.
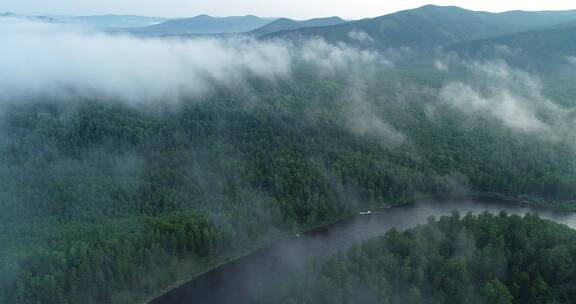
(112, 259)
(100, 199)
(497, 259)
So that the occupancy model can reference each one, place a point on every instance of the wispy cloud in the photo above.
(511, 96)
(40, 58)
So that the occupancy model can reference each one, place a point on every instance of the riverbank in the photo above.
(252, 250)
(320, 229)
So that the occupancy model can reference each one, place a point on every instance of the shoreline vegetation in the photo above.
(561, 206)
(469, 259)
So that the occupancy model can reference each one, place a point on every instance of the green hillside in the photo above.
(101, 198)
(540, 49)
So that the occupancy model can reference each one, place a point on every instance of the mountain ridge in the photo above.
(205, 24)
(430, 26)
(284, 24)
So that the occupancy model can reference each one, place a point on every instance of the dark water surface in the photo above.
(237, 282)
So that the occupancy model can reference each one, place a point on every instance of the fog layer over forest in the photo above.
(129, 164)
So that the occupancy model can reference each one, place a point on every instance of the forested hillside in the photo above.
(100, 198)
(544, 50)
(475, 259)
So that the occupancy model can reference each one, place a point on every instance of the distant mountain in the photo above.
(97, 21)
(428, 27)
(46, 19)
(530, 20)
(204, 24)
(29, 18)
(113, 21)
(285, 24)
(8, 14)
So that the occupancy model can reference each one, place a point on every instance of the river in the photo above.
(237, 282)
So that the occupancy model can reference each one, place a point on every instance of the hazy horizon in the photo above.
(298, 9)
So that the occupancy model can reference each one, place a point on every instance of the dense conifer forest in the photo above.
(101, 197)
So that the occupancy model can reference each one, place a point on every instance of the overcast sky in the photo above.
(352, 9)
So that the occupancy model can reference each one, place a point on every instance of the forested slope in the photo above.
(108, 202)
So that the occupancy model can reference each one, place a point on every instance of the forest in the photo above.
(131, 164)
(105, 202)
(486, 258)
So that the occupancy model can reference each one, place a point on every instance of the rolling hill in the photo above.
(113, 21)
(285, 24)
(95, 21)
(430, 26)
(8, 14)
(204, 24)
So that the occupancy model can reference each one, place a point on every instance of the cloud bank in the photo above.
(511, 96)
(39, 58)
(43, 60)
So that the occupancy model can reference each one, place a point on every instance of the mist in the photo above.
(40, 59)
(267, 138)
(44, 59)
(515, 98)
